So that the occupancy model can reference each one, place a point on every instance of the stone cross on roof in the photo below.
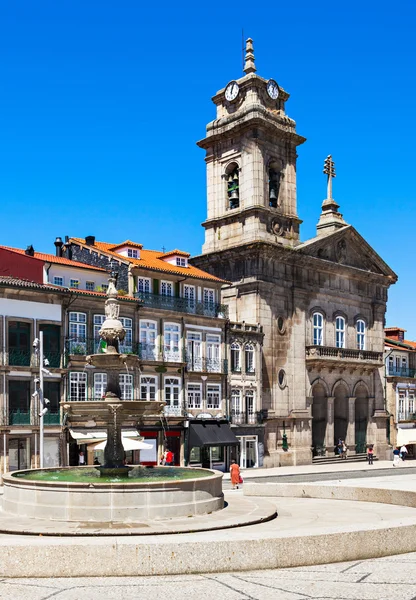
(249, 66)
(330, 219)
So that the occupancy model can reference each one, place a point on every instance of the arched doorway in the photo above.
(361, 419)
(340, 413)
(319, 419)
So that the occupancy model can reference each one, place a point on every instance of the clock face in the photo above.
(231, 91)
(273, 89)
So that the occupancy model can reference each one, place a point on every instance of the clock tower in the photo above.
(251, 164)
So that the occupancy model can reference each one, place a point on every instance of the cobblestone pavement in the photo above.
(391, 578)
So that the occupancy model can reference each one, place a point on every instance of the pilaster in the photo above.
(329, 437)
(350, 441)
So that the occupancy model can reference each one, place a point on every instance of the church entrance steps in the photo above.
(330, 460)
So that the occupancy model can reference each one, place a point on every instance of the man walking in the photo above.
(403, 452)
(370, 454)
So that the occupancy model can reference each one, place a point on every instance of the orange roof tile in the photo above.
(127, 243)
(151, 260)
(174, 252)
(55, 259)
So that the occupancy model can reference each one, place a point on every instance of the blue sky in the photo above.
(101, 104)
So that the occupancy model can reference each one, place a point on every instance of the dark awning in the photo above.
(211, 433)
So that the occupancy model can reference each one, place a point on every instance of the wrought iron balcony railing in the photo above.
(18, 417)
(147, 352)
(183, 305)
(206, 365)
(406, 416)
(246, 418)
(17, 357)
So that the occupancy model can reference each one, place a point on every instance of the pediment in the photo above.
(347, 247)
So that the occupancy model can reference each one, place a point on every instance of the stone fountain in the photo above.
(118, 493)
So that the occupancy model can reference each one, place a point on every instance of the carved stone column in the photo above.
(350, 441)
(329, 436)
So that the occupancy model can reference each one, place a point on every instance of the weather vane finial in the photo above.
(249, 66)
(329, 170)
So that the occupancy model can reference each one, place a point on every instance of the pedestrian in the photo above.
(370, 454)
(162, 459)
(169, 458)
(235, 474)
(81, 459)
(344, 450)
(339, 447)
(96, 461)
(396, 457)
(403, 452)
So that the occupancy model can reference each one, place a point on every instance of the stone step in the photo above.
(328, 460)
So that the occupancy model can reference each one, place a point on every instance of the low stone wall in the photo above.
(104, 502)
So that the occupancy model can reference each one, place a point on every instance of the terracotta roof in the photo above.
(55, 259)
(26, 283)
(100, 294)
(405, 345)
(127, 243)
(174, 253)
(151, 260)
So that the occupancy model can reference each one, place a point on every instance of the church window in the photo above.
(235, 357)
(274, 184)
(281, 378)
(233, 186)
(360, 330)
(340, 332)
(318, 329)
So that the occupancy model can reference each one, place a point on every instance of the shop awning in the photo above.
(406, 436)
(211, 433)
(128, 444)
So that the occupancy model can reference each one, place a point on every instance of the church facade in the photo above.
(321, 303)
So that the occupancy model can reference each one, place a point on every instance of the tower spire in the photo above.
(249, 66)
(330, 218)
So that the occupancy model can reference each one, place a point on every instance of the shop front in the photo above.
(211, 444)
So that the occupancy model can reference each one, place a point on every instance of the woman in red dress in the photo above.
(235, 474)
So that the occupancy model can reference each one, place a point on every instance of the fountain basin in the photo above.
(130, 500)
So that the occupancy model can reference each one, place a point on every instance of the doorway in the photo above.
(18, 454)
(249, 456)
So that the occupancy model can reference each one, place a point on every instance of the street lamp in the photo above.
(38, 393)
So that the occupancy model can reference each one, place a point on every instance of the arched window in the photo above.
(236, 414)
(318, 329)
(360, 331)
(235, 357)
(249, 358)
(340, 332)
(233, 186)
(274, 184)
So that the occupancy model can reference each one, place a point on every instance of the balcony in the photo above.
(206, 365)
(244, 418)
(183, 305)
(19, 358)
(146, 352)
(173, 411)
(18, 417)
(406, 416)
(343, 357)
(400, 372)
(51, 419)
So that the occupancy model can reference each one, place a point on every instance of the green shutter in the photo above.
(155, 286)
(177, 286)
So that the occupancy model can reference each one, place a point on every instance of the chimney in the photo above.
(58, 245)
(30, 251)
(90, 240)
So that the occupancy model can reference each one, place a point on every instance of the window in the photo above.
(194, 353)
(126, 345)
(213, 343)
(340, 332)
(99, 344)
(233, 186)
(126, 386)
(148, 388)
(144, 285)
(360, 331)
(100, 384)
(181, 262)
(189, 294)
(249, 356)
(318, 329)
(77, 386)
(209, 297)
(235, 357)
(172, 392)
(411, 403)
(19, 343)
(235, 405)
(148, 333)
(250, 404)
(132, 253)
(194, 395)
(402, 403)
(52, 391)
(90, 286)
(77, 332)
(171, 342)
(74, 283)
(213, 396)
(58, 280)
(390, 365)
(166, 288)
(19, 402)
